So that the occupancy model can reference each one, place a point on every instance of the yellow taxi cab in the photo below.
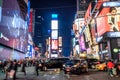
(101, 66)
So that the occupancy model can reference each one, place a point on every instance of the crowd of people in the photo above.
(10, 67)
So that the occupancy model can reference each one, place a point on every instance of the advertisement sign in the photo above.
(54, 24)
(82, 43)
(7, 53)
(108, 20)
(31, 21)
(13, 27)
(54, 34)
(60, 41)
(79, 24)
(1, 9)
(54, 43)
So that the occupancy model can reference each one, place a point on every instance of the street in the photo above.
(59, 75)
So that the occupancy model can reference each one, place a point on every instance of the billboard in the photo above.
(13, 27)
(31, 21)
(79, 22)
(54, 24)
(60, 41)
(82, 43)
(108, 20)
(54, 34)
(54, 44)
(7, 53)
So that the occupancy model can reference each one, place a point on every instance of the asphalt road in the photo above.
(59, 75)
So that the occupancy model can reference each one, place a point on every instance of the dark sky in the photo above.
(65, 9)
(52, 3)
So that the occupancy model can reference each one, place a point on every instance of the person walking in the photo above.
(37, 67)
(110, 66)
(14, 69)
(118, 69)
(23, 65)
(7, 68)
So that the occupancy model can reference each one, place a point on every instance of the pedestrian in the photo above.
(110, 66)
(23, 65)
(14, 68)
(7, 68)
(37, 67)
(118, 69)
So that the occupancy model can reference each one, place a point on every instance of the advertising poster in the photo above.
(108, 20)
(54, 43)
(13, 27)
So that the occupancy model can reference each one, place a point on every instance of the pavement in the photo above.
(55, 75)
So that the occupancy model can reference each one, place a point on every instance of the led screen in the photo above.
(108, 20)
(13, 27)
(82, 43)
(31, 21)
(54, 24)
(60, 41)
(54, 34)
(79, 24)
(7, 53)
(54, 44)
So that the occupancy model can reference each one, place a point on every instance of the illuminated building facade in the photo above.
(13, 29)
(102, 29)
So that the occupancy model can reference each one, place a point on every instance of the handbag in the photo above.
(114, 71)
(11, 73)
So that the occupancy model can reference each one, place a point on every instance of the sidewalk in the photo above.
(2, 75)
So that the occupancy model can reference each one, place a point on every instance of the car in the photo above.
(102, 66)
(75, 66)
(53, 63)
(92, 62)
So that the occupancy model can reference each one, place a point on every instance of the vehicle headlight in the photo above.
(100, 66)
(63, 65)
(40, 64)
(84, 66)
(75, 66)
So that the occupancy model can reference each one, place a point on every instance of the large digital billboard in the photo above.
(54, 24)
(54, 44)
(7, 53)
(79, 24)
(82, 43)
(13, 26)
(54, 34)
(108, 20)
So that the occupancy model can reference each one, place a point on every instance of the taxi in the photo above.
(102, 66)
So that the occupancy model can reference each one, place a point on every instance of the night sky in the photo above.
(65, 9)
